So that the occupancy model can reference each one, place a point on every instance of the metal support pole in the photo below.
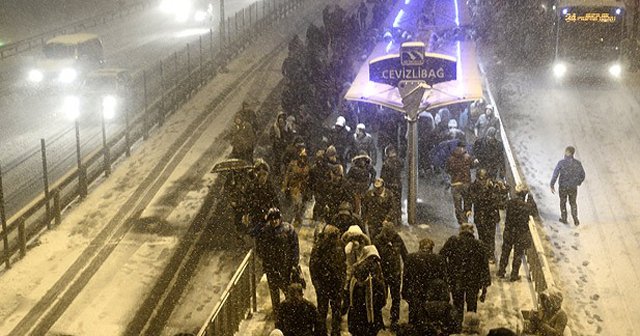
(200, 59)
(127, 136)
(189, 69)
(162, 94)
(45, 179)
(82, 176)
(105, 149)
(3, 220)
(412, 125)
(145, 116)
(222, 22)
(412, 93)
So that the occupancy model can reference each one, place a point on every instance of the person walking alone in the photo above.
(570, 174)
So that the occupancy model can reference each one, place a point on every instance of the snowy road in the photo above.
(596, 264)
(28, 114)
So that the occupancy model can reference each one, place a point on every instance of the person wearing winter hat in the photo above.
(363, 141)
(367, 295)
(340, 138)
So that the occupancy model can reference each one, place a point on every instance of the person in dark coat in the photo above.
(441, 317)
(260, 196)
(467, 269)
(277, 245)
(367, 295)
(391, 173)
(363, 142)
(243, 139)
(516, 234)
(345, 218)
(570, 174)
(377, 207)
(328, 269)
(337, 190)
(421, 269)
(489, 152)
(393, 253)
(297, 316)
(459, 168)
(319, 175)
(280, 137)
(484, 195)
(340, 137)
(359, 177)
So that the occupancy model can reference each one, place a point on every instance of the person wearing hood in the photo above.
(459, 168)
(467, 268)
(345, 218)
(486, 120)
(363, 141)
(359, 177)
(340, 137)
(551, 319)
(367, 295)
(489, 152)
(454, 132)
(354, 240)
(280, 137)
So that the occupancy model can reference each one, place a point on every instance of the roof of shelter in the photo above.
(444, 35)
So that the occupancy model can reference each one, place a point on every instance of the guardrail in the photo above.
(158, 91)
(27, 44)
(238, 301)
(536, 260)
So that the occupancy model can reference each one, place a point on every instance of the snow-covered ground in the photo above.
(595, 264)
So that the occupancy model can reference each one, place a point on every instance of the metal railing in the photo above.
(238, 301)
(158, 91)
(27, 44)
(536, 260)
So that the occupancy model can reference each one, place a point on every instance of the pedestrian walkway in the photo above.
(437, 221)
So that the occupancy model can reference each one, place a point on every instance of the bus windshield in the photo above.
(592, 34)
(59, 50)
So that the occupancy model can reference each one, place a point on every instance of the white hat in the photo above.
(360, 126)
(341, 121)
(453, 123)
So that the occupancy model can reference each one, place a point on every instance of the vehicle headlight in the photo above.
(559, 70)
(71, 107)
(68, 75)
(36, 76)
(615, 70)
(109, 104)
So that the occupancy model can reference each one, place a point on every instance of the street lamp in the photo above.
(109, 104)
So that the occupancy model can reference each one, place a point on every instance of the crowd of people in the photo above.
(358, 258)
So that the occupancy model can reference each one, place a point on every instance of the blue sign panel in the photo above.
(433, 70)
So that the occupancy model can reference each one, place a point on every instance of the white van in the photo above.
(66, 57)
